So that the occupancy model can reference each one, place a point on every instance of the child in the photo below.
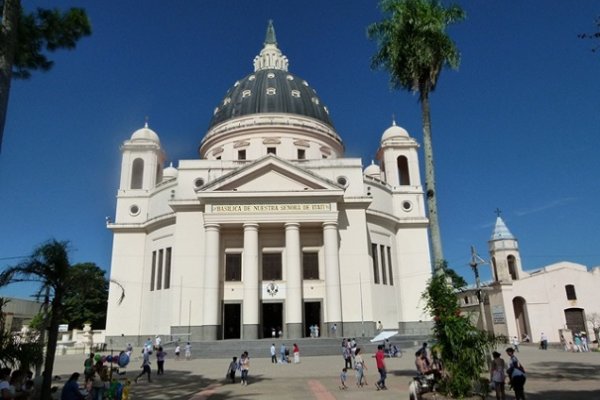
(188, 351)
(233, 366)
(343, 377)
(177, 352)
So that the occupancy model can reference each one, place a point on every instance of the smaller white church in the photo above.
(555, 300)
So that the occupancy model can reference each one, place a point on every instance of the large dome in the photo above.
(270, 89)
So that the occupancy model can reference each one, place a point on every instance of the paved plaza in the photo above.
(551, 375)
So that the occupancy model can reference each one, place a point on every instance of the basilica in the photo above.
(271, 228)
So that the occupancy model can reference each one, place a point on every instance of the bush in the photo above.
(462, 347)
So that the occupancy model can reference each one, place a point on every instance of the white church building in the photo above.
(554, 300)
(271, 228)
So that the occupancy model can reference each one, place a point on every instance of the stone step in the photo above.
(308, 346)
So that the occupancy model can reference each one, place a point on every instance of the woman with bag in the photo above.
(516, 374)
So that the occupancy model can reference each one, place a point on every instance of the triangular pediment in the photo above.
(270, 174)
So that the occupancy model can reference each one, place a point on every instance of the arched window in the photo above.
(512, 270)
(403, 174)
(496, 277)
(137, 173)
(571, 295)
(159, 173)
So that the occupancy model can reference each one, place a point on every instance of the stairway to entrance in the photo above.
(308, 346)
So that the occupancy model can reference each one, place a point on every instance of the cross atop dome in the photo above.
(270, 37)
(270, 56)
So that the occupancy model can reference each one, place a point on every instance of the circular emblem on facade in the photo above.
(272, 289)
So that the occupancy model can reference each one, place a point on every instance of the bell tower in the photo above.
(504, 253)
(142, 161)
(399, 159)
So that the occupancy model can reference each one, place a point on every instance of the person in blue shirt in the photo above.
(70, 390)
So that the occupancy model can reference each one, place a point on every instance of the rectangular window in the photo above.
(389, 260)
(160, 270)
(167, 284)
(271, 150)
(153, 270)
(233, 267)
(271, 266)
(241, 154)
(383, 266)
(570, 289)
(375, 263)
(310, 265)
(301, 154)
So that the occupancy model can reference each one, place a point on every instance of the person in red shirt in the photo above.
(380, 359)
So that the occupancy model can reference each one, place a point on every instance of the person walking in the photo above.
(245, 367)
(160, 361)
(497, 376)
(282, 351)
(515, 343)
(145, 366)
(273, 354)
(516, 374)
(296, 351)
(380, 360)
(347, 354)
(343, 378)
(188, 351)
(233, 366)
(360, 367)
(177, 352)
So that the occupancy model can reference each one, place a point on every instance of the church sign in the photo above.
(498, 315)
(269, 208)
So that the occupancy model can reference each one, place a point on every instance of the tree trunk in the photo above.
(8, 39)
(434, 225)
(51, 346)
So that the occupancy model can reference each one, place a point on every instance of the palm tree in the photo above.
(414, 47)
(49, 266)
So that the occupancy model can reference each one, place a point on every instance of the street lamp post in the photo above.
(475, 261)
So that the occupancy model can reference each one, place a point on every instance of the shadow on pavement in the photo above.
(557, 371)
(183, 385)
(563, 395)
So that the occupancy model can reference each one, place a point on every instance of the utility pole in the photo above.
(475, 262)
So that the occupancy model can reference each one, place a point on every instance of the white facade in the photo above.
(548, 301)
(272, 228)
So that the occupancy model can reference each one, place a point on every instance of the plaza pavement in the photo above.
(551, 375)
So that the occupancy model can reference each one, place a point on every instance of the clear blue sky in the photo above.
(517, 127)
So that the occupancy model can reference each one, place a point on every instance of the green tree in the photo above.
(25, 37)
(413, 47)
(16, 352)
(462, 347)
(49, 266)
(87, 296)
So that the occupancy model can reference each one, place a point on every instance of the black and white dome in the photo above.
(270, 89)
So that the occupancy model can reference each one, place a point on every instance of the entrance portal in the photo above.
(521, 317)
(312, 316)
(232, 318)
(272, 319)
(575, 319)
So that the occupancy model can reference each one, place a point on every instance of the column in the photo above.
(251, 282)
(293, 262)
(211, 304)
(333, 294)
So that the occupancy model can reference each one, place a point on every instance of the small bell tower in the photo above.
(504, 253)
(142, 161)
(398, 158)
